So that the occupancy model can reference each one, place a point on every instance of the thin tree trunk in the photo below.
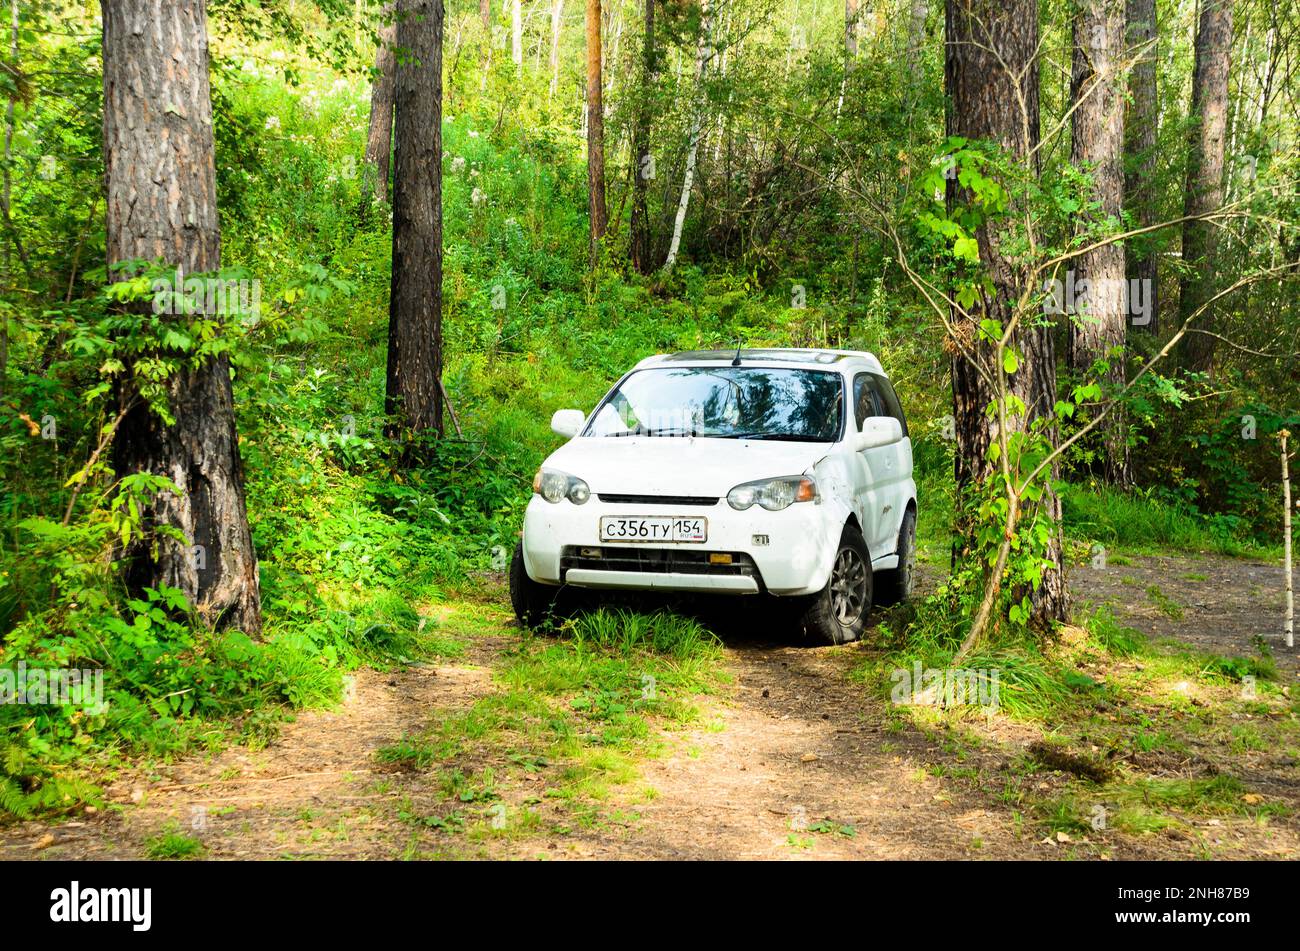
(642, 161)
(595, 133)
(557, 11)
(485, 15)
(693, 145)
(379, 140)
(1098, 322)
(851, 30)
(1141, 126)
(413, 398)
(1289, 621)
(517, 35)
(6, 194)
(162, 205)
(1204, 191)
(991, 76)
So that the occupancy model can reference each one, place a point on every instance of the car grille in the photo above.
(660, 499)
(654, 560)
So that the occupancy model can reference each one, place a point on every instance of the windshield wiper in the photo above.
(642, 431)
(775, 437)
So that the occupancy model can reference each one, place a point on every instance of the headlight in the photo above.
(773, 494)
(553, 485)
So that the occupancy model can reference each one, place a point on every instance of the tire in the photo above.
(897, 584)
(533, 602)
(839, 614)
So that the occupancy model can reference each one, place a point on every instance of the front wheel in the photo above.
(839, 613)
(533, 602)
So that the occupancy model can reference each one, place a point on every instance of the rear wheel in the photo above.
(533, 602)
(839, 613)
(897, 584)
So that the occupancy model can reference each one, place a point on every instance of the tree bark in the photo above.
(557, 11)
(413, 397)
(1098, 319)
(595, 134)
(162, 205)
(991, 77)
(642, 162)
(1204, 191)
(379, 141)
(702, 55)
(517, 34)
(485, 14)
(851, 30)
(1141, 126)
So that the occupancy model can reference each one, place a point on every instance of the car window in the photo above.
(745, 402)
(890, 404)
(873, 395)
(866, 403)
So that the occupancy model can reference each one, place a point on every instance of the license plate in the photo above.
(665, 528)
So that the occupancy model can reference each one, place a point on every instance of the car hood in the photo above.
(666, 465)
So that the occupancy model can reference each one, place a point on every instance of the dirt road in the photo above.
(792, 760)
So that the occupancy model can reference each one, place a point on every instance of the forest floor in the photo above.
(790, 755)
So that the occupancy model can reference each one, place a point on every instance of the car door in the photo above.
(897, 458)
(871, 472)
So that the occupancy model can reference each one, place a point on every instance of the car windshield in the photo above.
(725, 403)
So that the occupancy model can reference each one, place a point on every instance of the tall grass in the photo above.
(1142, 521)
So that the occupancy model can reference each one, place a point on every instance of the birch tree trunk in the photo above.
(517, 34)
(557, 11)
(693, 146)
(595, 134)
(1289, 621)
(642, 162)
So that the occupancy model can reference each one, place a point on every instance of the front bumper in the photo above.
(562, 546)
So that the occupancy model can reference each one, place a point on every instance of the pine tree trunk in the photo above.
(642, 162)
(413, 398)
(379, 141)
(1141, 126)
(595, 133)
(162, 205)
(989, 44)
(1204, 191)
(1098, 318)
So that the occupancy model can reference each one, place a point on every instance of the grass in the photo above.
(172, 844)
(1141, 522)
(579, 710)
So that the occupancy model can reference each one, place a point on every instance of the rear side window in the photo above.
(889, 400)
(874, 396)
(866, 402)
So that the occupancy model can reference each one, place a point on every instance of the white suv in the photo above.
(776, 472)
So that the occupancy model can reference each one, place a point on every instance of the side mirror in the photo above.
(877, 431)
(567, 422)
